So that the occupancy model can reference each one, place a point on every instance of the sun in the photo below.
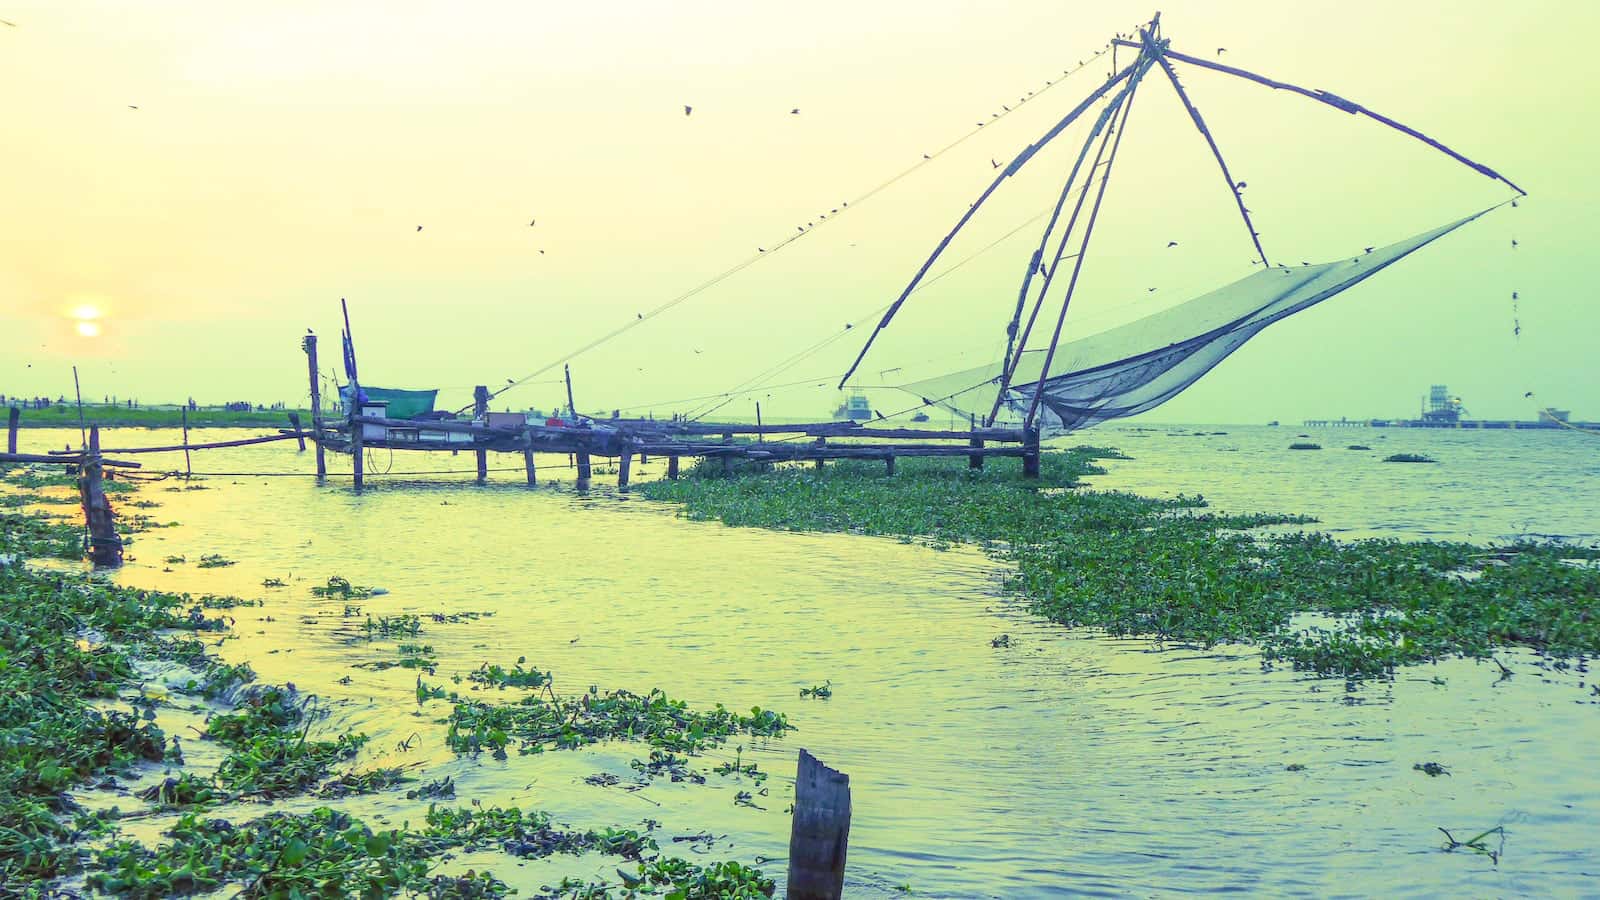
(86, 318)
(88, 328)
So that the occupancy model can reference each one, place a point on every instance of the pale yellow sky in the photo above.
(283, 155)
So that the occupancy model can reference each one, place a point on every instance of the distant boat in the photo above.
(855, 408)
(1273, 424)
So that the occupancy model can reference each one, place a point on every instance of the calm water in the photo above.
(1067, 764)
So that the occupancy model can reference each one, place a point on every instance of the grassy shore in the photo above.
(1171, 571)
(77, 711)
(65, 415)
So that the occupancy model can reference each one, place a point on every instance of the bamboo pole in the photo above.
(309, 343)
(819, 833)
(188, 469)
(623, 464)
(527, 463)
(11, 429)
(975, 461)
(300, 436)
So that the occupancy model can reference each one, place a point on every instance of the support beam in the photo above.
(11, 429)
(672, 468)
(584, 470)
(819, 833)
(1030, 459)
(623, 464)
(975, 461)
(300, 436)
(309, 343)
(527, 463)
(480, 408)
(888, 465)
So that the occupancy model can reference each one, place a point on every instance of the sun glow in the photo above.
(89, 329)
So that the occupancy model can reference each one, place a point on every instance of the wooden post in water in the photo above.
(727, 459)
(480, 408)
(1030, 456)
(975, 461)
(888, 462)
(672, 468)
(188, 468)
(819, 833)
(309, 343)
(623, 464)
(11, 429)
(821, 442)
(357, 452)
(300, 437)
(527, 461)
(584, 470)
(105, 548)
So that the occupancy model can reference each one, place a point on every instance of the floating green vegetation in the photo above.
(39, 536)
(1303, 445)
(1479, 843)
(545, 722)
(1409, 458)
(491, 675)
(818, 691)
(214, 561)
(340, 587)
(1169, 570)
(392, 626)
(273, 583)
(1431, 769)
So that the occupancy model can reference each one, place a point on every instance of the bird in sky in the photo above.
(8, 23)
(795, 111)
(1513, 243)
(419, 227)
(697, 351)
(1513, 295)
(1221, 50)
(687, 109)
(1368, 249)
(761, 249)
(926, 156)
(131, 106)
(849, 325)
(1172, 243)
(541, 252)
(639, 315)
(1149, 290)
(994, 164)
(1528, 394)
(532, 222)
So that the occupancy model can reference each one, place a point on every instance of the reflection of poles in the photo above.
(1083, 250)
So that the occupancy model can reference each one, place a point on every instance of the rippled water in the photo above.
(1066, 764)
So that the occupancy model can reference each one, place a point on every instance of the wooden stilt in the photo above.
(888, 464)
(975, 461)
(357, 452)
(584, 470)
(310, 345)
(480, 407)
(105, 547)
(294, 422)
(527, 463)
(623, 464)
(727, 458)
(11, 429)
(672, 468)
(819, 833)
(1030, 458)
(821, 442)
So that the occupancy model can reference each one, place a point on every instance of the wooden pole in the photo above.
(480, 408)
(188, 468)
(819, 833)
(672, 468)
(310, 345)
(1030, 459)
(888, 462)
(975, 461)
(299, 436)
(357, 453)
(79, 392)
(527, 463)
(623, 465)
(11, 429)
(821, 442)
(572, 405)
(105, 548)
(727, 458)
(584, 470)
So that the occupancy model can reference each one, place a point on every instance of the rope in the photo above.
(641, 318)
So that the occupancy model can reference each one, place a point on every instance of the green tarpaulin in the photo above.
(402, 404)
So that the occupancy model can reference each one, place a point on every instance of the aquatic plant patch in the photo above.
(1172, 571)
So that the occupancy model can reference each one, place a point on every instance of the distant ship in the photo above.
(855, 408)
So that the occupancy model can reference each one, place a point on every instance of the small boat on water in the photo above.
(855, 408)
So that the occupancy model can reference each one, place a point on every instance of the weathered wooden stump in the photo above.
(819, 834)
(105, 547)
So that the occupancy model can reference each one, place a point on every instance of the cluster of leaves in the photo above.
(495, 675)
(392, 626)
(271, 755)
(1166, 569)
(340, 587)
(64, 651)
(539, 723)
(329, 853)
(39, 536)
(676, 879)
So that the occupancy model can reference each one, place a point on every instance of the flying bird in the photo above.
(532, 222)
(1513, 295)
(687, 109)
(419, 227)
(1149, 290)
(761, 249)
(795, 111)
(994, 164)
(926, 156)
(926, 402)
(1368, 249)
(1513, 243)
(849, 325)
(131, 106)
(541, 252)
(639, 315)
(1528, 394)
(1221, 50)
(1172, 243)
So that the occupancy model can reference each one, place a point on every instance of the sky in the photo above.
(187, 187)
